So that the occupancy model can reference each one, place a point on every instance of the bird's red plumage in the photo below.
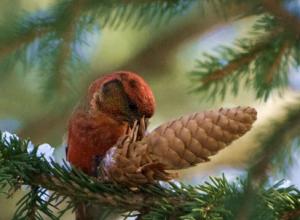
(91, 135)
(141, 94)
(92, 132)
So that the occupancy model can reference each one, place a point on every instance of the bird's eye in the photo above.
(132, 83)
(132, 107)
(105, 89)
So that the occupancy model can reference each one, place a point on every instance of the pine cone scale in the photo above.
(203, 134)
(178, 144)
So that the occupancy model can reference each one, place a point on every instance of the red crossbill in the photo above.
(113, 103)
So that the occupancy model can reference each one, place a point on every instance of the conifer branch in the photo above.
(265, 62)
(26, 32)
(291, 215)
(66, 34)
(287, 19)
(21, 39)
(277, 61)
(162, 47)
(260, 63)
(53, 32)
(211, 200)
(235, 64)
(284, 131)
(133, 201)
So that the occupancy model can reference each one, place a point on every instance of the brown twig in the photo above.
(22, 40)
(232, 66)
(291, 215)
(247, 58)
(134, 201)
(277, 61)
(33, 208)
(242, 60)
(288, 20)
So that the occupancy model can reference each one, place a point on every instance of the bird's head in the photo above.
(123, 95)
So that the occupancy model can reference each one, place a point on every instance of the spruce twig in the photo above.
(291, 215)
(285, 48)
(22, 40)
(261, 63)
(287, 19)
(64, 49)
(270, 145)
(210, 200)
(51, 24)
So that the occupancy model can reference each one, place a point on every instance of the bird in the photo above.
(113, 103)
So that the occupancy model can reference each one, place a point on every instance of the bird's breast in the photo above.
(90, 136)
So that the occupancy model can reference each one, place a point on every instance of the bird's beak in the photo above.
(132, 118)
(140, 126)
(135, 117)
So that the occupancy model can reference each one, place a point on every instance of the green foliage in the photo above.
(279, 144)
(47, 40)
(32, 205)
(215, 199)
(260, 62)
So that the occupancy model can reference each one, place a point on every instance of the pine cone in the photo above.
(178, 144)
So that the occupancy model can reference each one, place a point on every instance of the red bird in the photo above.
(114, 102)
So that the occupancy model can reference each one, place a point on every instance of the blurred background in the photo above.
(164, 55)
